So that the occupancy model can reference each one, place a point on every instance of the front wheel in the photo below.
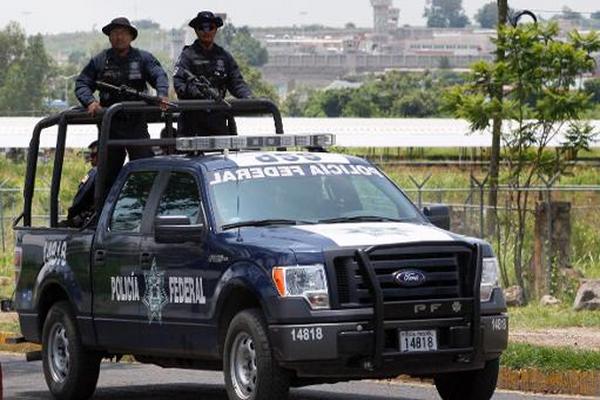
(469, 385)
(251, 372)
(71, 371)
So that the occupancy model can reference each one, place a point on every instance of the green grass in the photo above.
(549, 359)
(560, 316)
(10, 327)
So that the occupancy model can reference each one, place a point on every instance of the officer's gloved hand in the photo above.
(194, 92)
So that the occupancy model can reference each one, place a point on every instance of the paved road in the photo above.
(24, 381)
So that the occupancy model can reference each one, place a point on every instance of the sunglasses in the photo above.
(206, 27)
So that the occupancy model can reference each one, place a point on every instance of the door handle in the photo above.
(99, 257)
(145, 258)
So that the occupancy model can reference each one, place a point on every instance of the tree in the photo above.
(350, 25)
(244, 45)
(539, 73)
(146, 24)
(592, 88)
(446, 14)
(25, 82)
(487, 16)
(568, 13)
(417, 104)
(241, 43)
(260, 88)
(12, 47)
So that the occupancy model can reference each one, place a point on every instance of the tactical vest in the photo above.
(117, 72)
(213, 67)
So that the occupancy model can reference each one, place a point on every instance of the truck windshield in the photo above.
(306, 194)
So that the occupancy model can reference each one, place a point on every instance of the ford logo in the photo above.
(409, 277)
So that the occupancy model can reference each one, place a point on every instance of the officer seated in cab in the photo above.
(206, 59)
(82, 208)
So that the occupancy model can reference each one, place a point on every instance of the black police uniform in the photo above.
(135, 70)
(83, 203)
(219, 67)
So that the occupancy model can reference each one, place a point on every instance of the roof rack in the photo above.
(78, 116)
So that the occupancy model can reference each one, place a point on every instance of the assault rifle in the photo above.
(206, 87)
(124, 89)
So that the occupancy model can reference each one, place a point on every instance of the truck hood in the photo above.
(313, 238)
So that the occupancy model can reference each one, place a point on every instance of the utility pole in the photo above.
(496, 128)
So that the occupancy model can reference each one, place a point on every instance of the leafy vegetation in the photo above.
(535, 316)
(389, 95)
(540, 101)
(549, 359)
(25, 68)
(487, 16)
(445, 14)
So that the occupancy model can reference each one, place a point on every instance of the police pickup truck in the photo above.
(280, 268)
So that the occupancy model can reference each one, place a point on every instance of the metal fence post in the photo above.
(480, 186)
(549, 183)
(2, 238)
(419, 186)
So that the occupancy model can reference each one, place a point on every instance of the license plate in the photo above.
(414, 341)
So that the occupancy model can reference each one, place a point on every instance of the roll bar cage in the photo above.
(78, 116)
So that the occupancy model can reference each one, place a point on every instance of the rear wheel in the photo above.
(70, 370)
(469, 385)
(251, 372)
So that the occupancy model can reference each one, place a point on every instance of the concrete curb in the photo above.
(583, 383)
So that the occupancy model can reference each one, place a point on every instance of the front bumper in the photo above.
(345, 350)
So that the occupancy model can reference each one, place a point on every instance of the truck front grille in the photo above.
(448, 270)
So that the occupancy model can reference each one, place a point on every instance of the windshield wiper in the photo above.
(360, 218)
(264, 222)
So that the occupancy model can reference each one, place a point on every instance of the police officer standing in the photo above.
(122, 64)
(207, 59)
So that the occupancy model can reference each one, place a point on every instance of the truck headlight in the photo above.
(307, 281)
(489, 278)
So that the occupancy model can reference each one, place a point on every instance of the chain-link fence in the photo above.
(565, 237)
(11, 206)
(560, 226)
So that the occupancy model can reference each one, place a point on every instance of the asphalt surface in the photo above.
(24, 381)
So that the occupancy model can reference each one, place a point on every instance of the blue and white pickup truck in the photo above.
(280, 268)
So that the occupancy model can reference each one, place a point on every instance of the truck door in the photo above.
(179, 321)
(117, 278)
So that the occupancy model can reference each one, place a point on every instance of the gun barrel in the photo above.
(131, 91)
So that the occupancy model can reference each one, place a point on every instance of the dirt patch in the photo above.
(8, 317)
(582, 338)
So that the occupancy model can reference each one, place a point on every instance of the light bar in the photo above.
(215, 143)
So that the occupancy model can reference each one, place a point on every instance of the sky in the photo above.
(54, 16)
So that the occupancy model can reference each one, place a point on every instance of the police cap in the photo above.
(120, 22)
(206, 17)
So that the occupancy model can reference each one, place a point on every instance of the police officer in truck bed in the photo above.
(205, 58)
(122, 64)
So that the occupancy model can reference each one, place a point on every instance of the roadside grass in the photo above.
(535, 316)
(10, 327)
(549, 359)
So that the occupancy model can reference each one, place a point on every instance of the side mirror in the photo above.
(177, 229)
(438, 215)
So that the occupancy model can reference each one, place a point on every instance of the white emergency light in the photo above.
(216, 143)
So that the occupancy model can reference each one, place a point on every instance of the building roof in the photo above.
(16, 132)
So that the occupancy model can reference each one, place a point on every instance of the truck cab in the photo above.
(270, 259)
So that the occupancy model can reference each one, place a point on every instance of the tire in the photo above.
(70, 370)
(251, 372)
(469, 385)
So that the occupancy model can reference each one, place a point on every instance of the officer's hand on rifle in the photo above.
(93, 108)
